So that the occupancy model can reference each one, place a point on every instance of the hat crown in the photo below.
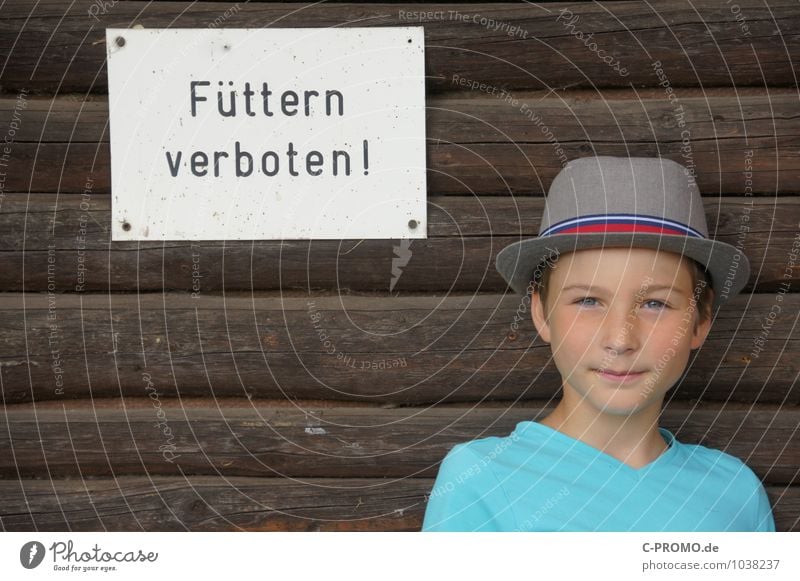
(603, 188)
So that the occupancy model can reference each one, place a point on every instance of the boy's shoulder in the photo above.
(492, 453)
(480, 454)
(722, 464)
(730, 481)
(488, 444)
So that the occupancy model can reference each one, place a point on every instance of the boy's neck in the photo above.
(633, 439)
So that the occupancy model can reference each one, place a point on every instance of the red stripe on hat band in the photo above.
(621, 228)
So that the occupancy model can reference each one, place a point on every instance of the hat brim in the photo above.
(728, 266)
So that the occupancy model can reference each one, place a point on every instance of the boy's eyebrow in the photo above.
(651, 287)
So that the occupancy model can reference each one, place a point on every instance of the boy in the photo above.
(624, 281)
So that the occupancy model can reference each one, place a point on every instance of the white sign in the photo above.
(252, 134)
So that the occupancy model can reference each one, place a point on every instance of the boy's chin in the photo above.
(624, 402)
(623, 410)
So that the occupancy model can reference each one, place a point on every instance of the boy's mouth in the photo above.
(619, 375)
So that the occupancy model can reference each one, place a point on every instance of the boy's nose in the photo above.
(619, 331)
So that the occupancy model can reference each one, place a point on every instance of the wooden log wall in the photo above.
(316, 385)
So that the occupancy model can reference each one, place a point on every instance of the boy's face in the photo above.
(619, 310)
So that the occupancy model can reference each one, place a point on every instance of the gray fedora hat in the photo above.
(605, 201)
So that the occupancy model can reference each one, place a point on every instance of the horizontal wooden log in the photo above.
(63, 244)
(168, 438)
(736, 143)
(213, 504)
(473, 116)
(243, 504)
(396, 350)
(54, 46)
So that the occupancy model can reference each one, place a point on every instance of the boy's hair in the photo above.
(701, 283)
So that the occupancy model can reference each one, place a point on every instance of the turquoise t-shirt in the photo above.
(539, 479)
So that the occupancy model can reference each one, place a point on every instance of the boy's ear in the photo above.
(699, 335)
(538, 316)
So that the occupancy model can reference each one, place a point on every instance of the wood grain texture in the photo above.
(243, 504)
(213, 504)
(175, 438)
(382, 350)
(58, 47)
(63, 243)
(736, 142)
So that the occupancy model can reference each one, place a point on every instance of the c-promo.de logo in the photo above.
(31, 554)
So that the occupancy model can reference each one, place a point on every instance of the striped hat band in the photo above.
(612, 223)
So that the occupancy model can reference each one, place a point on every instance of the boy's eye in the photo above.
(591, 301)
(586, 301)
